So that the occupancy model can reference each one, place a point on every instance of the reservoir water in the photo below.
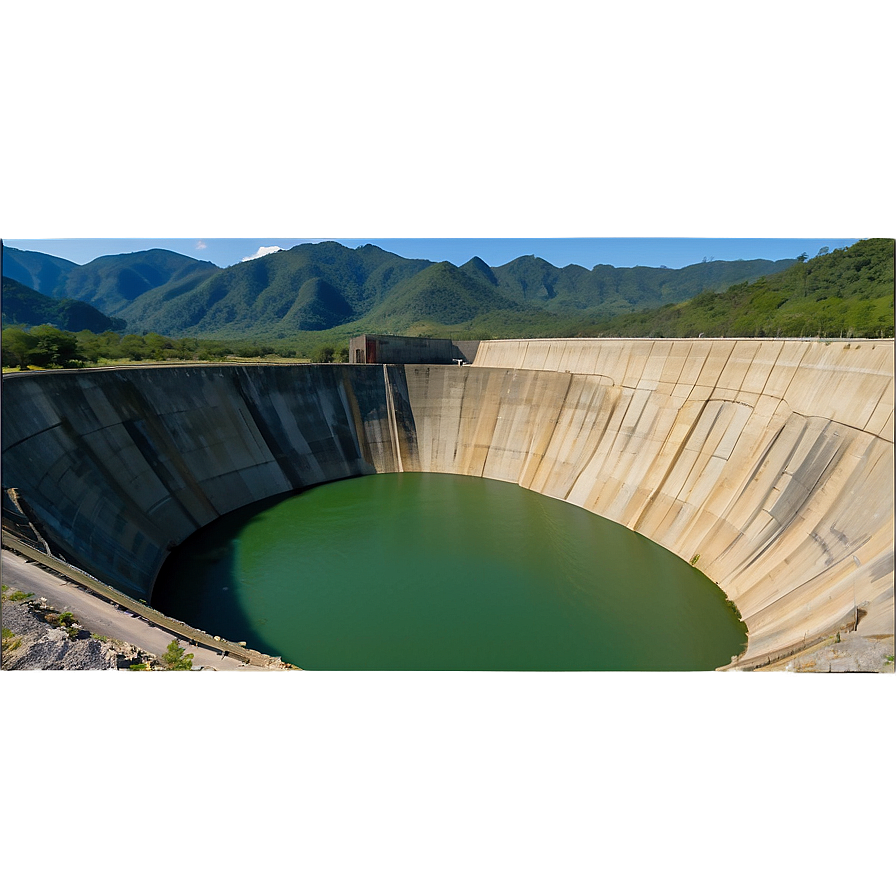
(434, 571)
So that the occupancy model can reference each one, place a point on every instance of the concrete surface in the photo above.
(769, 460)
(768, 463)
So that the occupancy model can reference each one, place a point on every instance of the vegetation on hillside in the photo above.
(112, 282)
(42, 273)
(314, 288)
(307, 288)
(608, 291)
(848, 292)
(27, 307)
(308, 302)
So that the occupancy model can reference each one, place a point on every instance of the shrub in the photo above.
(175, 660)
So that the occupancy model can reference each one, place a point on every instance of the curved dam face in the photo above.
(767, 463)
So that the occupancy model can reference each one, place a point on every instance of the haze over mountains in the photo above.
(321, 286)
(29, 308)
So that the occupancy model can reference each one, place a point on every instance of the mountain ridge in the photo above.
(363, 289)
(26, 307)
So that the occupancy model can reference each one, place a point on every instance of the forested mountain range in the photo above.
(109, 283)
(313, 288)
(26, 307)
(847, 292)
(40, 272)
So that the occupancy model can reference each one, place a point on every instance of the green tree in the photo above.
(175, 660)
(323, 354)
(17, 347)
(55, 348)
(133, 347)
(157, 347)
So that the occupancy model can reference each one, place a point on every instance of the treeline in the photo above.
(49, 347)
(847, 292)
(42, 346)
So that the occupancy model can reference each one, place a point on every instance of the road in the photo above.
(101, 617)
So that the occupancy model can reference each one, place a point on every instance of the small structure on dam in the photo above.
(411, 350)
(767, 464)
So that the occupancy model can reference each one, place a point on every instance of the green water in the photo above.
(431, 571)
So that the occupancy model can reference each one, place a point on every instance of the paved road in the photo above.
(101, 617)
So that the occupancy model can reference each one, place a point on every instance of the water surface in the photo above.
(433, 571)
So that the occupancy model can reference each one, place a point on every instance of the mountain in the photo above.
(846, 292)
(369, 288)
(113, 282)
(265, 295)
(476, 267)
(441, 293)
(43, 273)
(26, 307)
(609, 290)
(317, 287)
(318, 306)
(110, 283)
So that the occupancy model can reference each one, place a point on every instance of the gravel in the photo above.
(43, 645)
(852, 653)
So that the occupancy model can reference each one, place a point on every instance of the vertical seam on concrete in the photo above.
(771, 367)
(796, 366)
(700, 371)
(560, 411)
(614, 401)
(393, 426)
(774, 536)
(671, 465)
(512, 374)
(747, 481)
(353, 412)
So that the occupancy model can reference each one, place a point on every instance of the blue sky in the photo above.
(620, 252)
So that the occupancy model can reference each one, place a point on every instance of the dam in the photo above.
(767, 464)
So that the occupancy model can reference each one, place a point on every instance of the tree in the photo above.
(55, 348)
(174, 660)
(17, 347)
(133, 347)
(323, 354)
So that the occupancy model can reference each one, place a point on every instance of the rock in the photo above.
(852, 653)
(43, 646)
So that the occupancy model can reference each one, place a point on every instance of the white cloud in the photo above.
(263, 250)
(201, 245)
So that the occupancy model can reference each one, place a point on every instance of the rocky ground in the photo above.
(851, 652)
(36, 636)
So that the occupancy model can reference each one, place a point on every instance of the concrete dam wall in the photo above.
(117, 466)
(771, 462)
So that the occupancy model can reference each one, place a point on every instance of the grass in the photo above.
(15, 595)
(9, 640)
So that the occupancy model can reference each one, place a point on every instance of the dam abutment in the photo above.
(768, 463)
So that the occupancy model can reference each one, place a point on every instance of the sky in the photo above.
(619, 252)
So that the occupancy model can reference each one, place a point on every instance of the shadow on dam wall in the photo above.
(766, 463)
